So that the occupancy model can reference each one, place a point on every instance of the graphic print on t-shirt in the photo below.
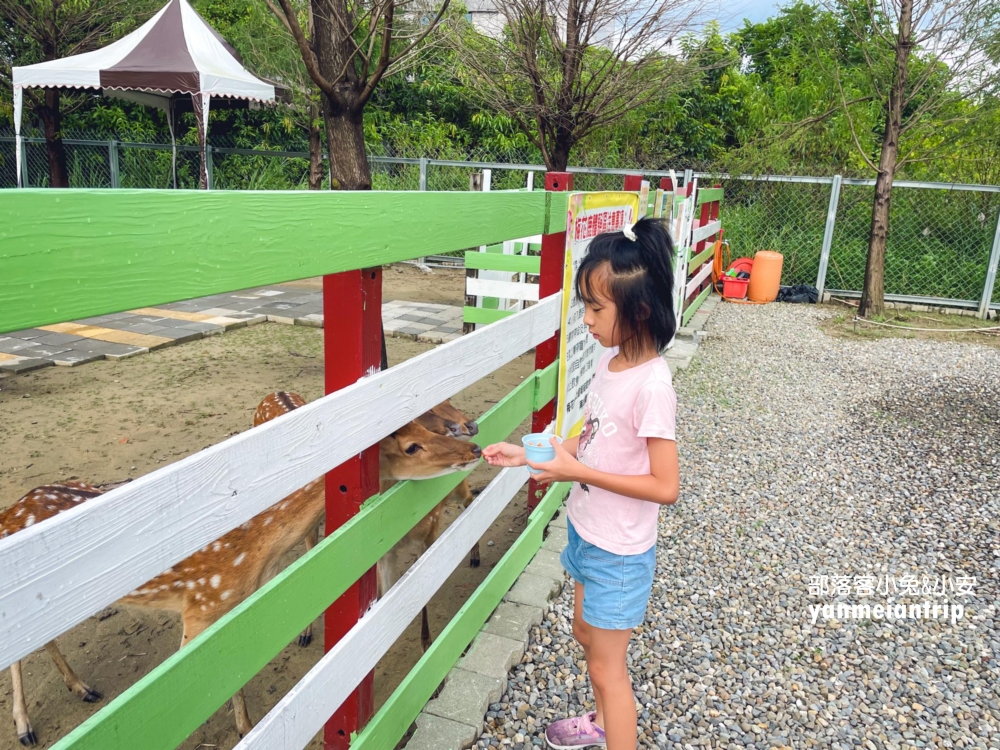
(588, 451)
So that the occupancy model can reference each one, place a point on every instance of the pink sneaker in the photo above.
(577, 731)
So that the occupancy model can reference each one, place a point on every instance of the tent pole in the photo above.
(18, 147)
(173, 141)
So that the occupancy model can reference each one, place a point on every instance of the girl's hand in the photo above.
(563, 468)
(504, 455)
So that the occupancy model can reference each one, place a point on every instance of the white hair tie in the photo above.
(629, 232)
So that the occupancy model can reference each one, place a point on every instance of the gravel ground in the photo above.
(805, 456)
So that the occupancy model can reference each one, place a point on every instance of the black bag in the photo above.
(798, 293)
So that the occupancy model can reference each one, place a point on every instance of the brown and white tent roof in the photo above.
(175, 52)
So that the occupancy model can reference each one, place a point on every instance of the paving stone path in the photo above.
(127, 334)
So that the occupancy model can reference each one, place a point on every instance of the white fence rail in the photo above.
(61, 571)
(297, 717)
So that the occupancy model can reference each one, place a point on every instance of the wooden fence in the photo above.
(72, 254)
(67, 255)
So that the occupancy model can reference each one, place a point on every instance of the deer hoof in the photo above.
(474, 561)
(305, 639)
(92, 696)
(28, 739)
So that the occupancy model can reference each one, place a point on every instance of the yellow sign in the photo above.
(590, 214)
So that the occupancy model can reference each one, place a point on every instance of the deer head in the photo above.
(445, 419)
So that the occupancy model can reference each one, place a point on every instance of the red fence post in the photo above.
(352, 344)
(550, 282)
(633, 183)
(666, 185)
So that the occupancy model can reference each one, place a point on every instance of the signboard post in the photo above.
(590, 215)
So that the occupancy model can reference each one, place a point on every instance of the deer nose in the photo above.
(472, 427)
(477, 451)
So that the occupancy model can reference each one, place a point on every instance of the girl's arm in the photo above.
(507, 454)
(661, 485)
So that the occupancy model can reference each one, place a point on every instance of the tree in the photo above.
(562, 70)
(348, 47)
(924, 63)
(262, 36)
(34, 31)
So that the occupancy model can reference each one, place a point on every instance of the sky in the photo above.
(732, 12)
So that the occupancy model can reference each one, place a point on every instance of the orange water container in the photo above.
(765, 276)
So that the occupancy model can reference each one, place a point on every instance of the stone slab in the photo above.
(546, 564)
(556, 539)
(25, 365)
(437, 733)
(534, 591)
(465, 698)
(492, 655)
(514, 621)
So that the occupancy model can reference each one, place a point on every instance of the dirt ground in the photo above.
(108, 421)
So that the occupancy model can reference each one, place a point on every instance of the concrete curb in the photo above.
(454, 720)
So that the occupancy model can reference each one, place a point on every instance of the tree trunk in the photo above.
(873, 294)
(345, 138)
(343, 104)
(52, 121)
(315, 153)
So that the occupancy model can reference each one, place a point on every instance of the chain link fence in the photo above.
(942, 242)
(938, 245)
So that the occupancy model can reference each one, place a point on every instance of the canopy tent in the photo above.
(175, 61)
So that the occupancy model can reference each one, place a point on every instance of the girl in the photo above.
(623, 465)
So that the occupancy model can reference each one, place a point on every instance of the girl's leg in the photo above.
(609, 675)
(582, 632)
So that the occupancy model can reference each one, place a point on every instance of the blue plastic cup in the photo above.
(537, 448)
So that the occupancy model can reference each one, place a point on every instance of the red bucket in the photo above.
(734, 288)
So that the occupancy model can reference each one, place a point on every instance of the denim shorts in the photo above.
(616, 587)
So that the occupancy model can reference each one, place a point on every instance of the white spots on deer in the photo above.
(239, 559)
(267, 520)
(190, 584)
(216, 580)
(20, 512)
(201, 581)
(225, 595)
(29, 522)
(216, 546)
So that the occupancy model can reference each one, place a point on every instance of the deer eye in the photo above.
(412, 448)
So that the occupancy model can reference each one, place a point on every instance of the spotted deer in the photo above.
(444, 419)
(216, 578)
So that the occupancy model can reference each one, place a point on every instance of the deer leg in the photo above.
(425, 630)
(74, 683)
(464, 494)
(192, 628)
(306, 636)
(243, 723)
(25, 734)
(386, 568)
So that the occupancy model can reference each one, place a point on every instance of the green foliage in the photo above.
(765, 99)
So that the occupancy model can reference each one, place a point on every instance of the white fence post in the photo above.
(113, 163)
(991, 274)
(831, 220)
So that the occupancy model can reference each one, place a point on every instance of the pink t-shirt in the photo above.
(622, 410)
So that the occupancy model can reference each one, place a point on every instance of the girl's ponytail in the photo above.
(640, 280)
